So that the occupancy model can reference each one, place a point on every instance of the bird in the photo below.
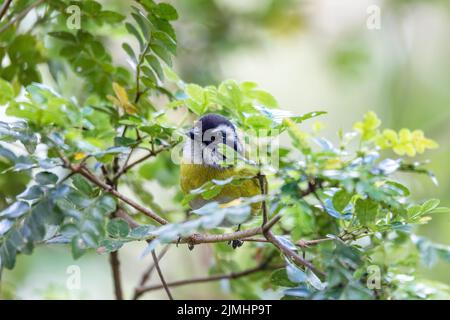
(202, 161)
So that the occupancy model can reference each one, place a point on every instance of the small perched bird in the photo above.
(201, 162)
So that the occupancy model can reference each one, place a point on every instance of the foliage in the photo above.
(342, 204)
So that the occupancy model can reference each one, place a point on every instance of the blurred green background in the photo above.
(311, 55)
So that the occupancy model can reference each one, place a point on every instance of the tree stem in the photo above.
(115, 268)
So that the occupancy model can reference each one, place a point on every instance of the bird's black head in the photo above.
(213, 126)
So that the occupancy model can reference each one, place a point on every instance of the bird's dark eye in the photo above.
(213, 138)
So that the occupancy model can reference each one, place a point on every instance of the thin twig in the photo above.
(146, 275)
(138, 72)
(126, 167)
(262, 185)
(20, 15)
(115, 267)
(291, 254)
(161, 277)
(4, 8)
(288, 252)
(233, 275)
(91, 177)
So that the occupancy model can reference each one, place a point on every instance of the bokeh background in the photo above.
(311, 55)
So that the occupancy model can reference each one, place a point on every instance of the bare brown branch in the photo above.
(115, 267)
(233, 275)
(20, 15)
(91, 177)
(4, 8)
(161, 276)
(146, 275)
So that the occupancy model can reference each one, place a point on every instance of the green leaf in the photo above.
(441, 210)
(366, 211)
(5, 226)
(280, 278)
(63, 35)
(6, 92)
(129, 51)
(166, 11)
(131, 29)
(143, 22)
(156, 66)
(8, 254)
(16, 210)
(33, 193)
(258, 122)
(110, 16)
(162, 53)
(78, 247)
(399, 188)
(341, 199)
(295, 274)
(141, 232)
(118, 228)
(430, 205)
(82, 185)
(45, 178)
(109, 245)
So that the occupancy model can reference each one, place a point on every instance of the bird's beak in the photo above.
(190, 133)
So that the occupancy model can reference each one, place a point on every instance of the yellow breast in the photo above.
(193, 176)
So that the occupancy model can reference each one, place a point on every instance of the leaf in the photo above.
(141, 232)
(110, 16)
(388, 166)
(366, 211)
(118, 228)
(130, 52)
(83, 185)
(441, 210)
(63, 35)
(78, 247)
(399, 188)
(131, 29)
(166, 11)
(46, 178)
(341, 199)
(429, 205)
(32, 193)
(6, 92)
(156, 66)
(280, 278)
(329, 208)
(295, 274)
(314, 281)
(5, 226)
(109, 245)
(143, 22)
(16, 210)
(162, 53)
(300, 292)
(8, 255)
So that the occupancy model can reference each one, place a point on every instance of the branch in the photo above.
(163, 281)
(291, 254)
(152, 153)
(91, 177)
(262, 186)
(20, 15)
(115, 267)
(148, 273)
(288, 252)
(233, 275)
(4, 8)
(138, 72)
(299, 243)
